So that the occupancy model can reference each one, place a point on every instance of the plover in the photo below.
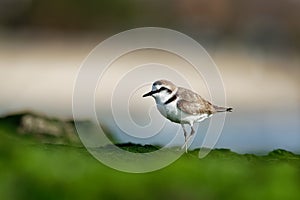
(183, 106)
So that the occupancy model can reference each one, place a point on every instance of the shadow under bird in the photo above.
(183, 106)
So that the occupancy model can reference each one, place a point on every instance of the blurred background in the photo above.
(255, 44)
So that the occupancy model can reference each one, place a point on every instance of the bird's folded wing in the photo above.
(192, 108)
(195, 108)
(192, 103)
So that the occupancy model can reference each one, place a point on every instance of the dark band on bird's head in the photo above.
(166, 89)
(157, 91)
(162, 89)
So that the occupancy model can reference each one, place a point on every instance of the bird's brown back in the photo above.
(192, 103)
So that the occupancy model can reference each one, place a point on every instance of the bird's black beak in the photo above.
(148, 94)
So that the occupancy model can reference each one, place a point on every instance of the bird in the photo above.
(183, 106)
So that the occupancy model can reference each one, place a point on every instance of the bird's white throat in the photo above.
(163, 96)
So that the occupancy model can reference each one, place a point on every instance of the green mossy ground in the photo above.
(32, 170)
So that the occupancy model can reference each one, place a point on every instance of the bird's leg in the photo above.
(187, 139)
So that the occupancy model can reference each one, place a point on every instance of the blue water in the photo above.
(261, 132)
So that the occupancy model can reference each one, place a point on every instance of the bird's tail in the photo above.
(222, 109)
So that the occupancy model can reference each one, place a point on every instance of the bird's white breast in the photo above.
(169, 111)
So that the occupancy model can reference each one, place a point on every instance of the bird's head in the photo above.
(162, 90)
